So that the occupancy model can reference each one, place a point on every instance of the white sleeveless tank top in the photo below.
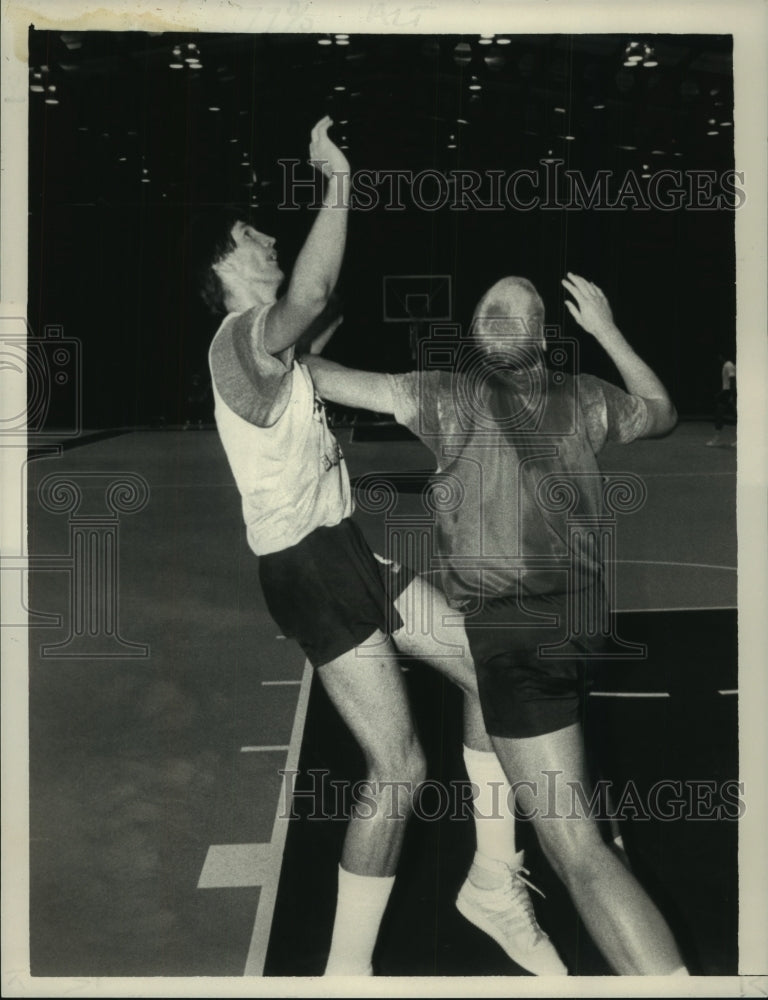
(291, 475)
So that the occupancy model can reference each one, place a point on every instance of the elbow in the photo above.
(662, 416)
(670, 418)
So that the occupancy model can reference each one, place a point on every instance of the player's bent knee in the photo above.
(573, 847)
(402, 760)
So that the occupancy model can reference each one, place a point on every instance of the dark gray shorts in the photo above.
(330, 593)
(523, 692)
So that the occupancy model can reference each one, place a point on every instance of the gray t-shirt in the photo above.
(494, 443)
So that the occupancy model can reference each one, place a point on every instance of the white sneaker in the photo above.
(505, 913)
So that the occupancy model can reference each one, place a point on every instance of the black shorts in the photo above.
(330, 593)
(524, 692)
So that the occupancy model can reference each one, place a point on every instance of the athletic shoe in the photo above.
(505, 912)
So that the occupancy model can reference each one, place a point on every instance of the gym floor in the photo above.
(157, 736)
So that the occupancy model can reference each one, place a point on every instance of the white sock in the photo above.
(360, 905)
(493, 807)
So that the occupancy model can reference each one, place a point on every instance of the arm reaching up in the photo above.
(319, 262)
(592, 312)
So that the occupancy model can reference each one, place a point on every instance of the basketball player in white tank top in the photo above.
(291, 484)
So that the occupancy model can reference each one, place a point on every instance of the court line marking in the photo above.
(265, 749)
(671, 475)
(699, 607)
(262, 925)
(279, 683)
(629, 694)
(234, 866)
(662, 562)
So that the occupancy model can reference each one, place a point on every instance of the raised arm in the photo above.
(592, 311)
(361, 390)
(319, 262)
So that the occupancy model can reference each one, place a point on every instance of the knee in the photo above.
(574, 849)
(400, 761)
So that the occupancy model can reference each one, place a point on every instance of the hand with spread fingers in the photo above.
(324, 154)
(591, 310)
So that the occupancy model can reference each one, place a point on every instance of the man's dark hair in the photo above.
(210, 240)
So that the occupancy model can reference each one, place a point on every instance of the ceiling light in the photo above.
(462, 54)
(713, 132)
(324, 41)
(462, 121)
(725, 124)
(176, 65)
(658, 152)
(628, 147)
(485, 41)
(214, 108)
(340, 87)
(560, 111)
(503, 41)
(342, 41)
(51, 100)
(598, 107)
(569, 138)
(645, 176)
(38, 88)
(52, 87)
(451, 145)
(475, 86)
(650, 63)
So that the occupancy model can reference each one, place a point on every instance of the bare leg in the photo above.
(369, 693)
(624, 923)
(443, 646)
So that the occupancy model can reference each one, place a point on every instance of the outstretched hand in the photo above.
(324, 154)
(591, 310)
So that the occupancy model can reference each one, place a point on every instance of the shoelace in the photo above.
(517, 892)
